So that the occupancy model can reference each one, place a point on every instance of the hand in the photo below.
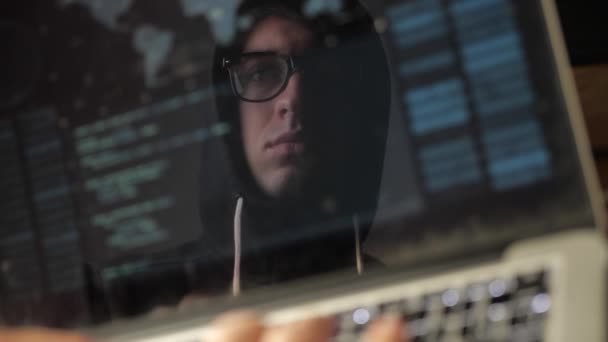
(245, 326)
(40, 335)
(240, 326)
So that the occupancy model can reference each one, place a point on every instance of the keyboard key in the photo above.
(452, 337)
(346, 337)
(498, 312)
(498, 331)
(392, 308)
(433, 302)
(417, 328)
(434, 322)
(476, 292)
(476, 314)
(413, 308)
(536, 329)
(346, 323)
(540, 304)
(523, 333)
(454, 322)
(451, 298)
(361, 317)
(501, 289)
(522, 307)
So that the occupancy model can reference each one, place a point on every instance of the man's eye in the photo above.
(262, 74)
(258, 75)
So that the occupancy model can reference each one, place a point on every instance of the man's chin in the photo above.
(287, 182)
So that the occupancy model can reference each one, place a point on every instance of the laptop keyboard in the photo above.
(500, 309)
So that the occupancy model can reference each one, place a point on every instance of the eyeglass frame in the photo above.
(291, 69)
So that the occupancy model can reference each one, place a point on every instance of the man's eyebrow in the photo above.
(268, 51)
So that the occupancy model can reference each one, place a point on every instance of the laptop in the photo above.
(466, 202)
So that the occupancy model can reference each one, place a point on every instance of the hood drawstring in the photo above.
(358, 254)
(236, 271)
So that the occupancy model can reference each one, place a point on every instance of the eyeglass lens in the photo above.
(260, 77)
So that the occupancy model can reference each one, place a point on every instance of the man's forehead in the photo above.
(281, 35)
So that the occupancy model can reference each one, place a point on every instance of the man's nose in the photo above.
(288, 102)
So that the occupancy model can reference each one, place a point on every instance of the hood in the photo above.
(351, 135)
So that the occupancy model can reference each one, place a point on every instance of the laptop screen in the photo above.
(154, 150)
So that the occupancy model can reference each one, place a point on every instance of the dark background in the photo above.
(586, 30)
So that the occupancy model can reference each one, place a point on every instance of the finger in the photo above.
(191, 301)
(159, 312)
(40, 335)
(386, 329)
(237, 326)
(312, 330)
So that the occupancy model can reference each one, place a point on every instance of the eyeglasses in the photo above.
(259, 76)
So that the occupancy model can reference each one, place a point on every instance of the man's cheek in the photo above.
(250, 129)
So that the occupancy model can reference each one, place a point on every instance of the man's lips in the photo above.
(286, 138)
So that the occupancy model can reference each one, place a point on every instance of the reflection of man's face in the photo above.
(272, 130)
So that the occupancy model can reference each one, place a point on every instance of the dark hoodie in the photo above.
(250, 239)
